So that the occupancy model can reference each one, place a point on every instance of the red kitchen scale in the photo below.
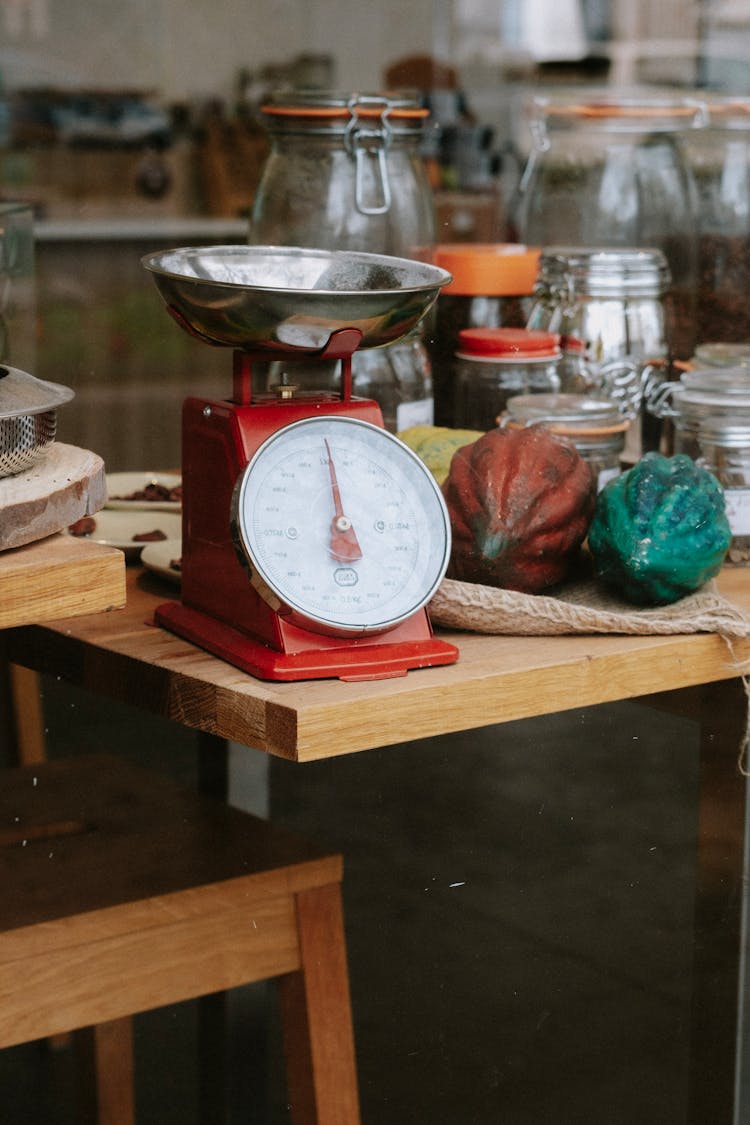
(312, 538)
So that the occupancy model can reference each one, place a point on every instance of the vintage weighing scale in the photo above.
(313, 539)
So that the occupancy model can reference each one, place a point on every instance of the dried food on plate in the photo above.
(131, 530)
(155, 491)
(164, 558)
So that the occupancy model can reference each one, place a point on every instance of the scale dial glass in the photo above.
(341, 525)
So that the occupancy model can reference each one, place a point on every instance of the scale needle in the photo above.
(344, 543)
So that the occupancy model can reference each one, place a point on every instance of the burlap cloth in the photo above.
(582, 606)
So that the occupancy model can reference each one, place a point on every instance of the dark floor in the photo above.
(519, 905)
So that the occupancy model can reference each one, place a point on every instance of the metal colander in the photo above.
(28, 418)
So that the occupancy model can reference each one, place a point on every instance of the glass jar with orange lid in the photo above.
(345, 172)
(491, 287)
(493, 364)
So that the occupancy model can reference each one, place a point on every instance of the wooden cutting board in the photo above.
(66, 484)
(59, 577)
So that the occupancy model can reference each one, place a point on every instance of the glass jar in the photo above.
(719, 157)
(609, 307)
(698, 395)
(611, 172)
(725, 451)
(594, 425)
(492, 364)
(491, 287)
(345, 173)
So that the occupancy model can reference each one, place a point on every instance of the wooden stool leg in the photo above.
(316, 1014)
(105, 1055)
(28, 715)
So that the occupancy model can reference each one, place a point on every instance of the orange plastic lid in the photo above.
(488, 269)
(508, 343)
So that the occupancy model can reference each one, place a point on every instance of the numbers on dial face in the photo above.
(343, 524)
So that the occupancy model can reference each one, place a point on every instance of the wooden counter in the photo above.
(122, 655)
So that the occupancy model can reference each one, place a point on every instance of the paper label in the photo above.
(737, 502)
(419, 413)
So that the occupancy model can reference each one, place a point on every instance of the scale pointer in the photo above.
(344, 543)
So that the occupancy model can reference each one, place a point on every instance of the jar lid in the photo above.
(568, 413)
(488, 269)
(723, 355)
(728, 112)
(626, 114)
(509, 343)
(602, 271)
(716, 381)
(322, 111)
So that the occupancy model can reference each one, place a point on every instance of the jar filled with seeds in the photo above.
(494, 363)
(719, 158)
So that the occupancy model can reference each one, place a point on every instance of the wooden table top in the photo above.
(59, 576)
(123, 655)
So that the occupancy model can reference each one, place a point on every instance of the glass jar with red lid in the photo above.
(492, 364)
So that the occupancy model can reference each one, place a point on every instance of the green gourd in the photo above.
(659, 530)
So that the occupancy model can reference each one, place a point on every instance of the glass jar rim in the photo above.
(331, 112)
(568, 413)
(606, 270)
(627, 112)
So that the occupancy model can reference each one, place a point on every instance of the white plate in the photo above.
(124, 484)
(117, 528)
(158, 557)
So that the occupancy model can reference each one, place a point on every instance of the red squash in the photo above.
(520, 503)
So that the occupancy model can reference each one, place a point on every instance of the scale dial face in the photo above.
(341, 525)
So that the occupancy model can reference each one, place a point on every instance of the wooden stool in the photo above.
(122, 892)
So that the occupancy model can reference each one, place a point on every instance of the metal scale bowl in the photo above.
(313, 539)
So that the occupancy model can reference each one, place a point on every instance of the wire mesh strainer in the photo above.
(28, 418)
